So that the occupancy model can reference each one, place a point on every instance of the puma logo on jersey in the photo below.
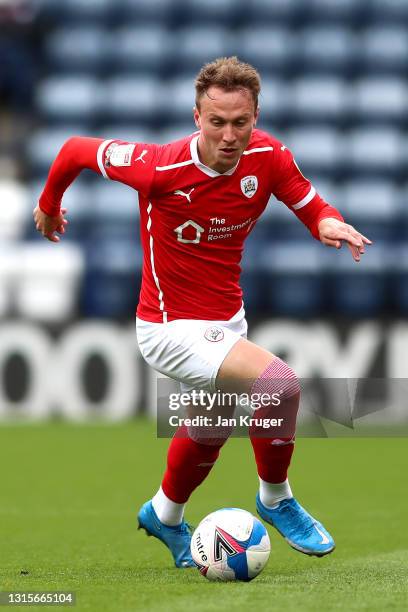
(186, 195)
(141, 156)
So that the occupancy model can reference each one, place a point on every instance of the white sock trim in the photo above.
(169, 512)
(271, 494)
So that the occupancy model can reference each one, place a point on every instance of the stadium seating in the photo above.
(69, 98)
(335, 11)
(181, 94)
(198, 45)
(356, 290)
(274, 100)
(105, 195)
(130, 98)
(394, 10)
(226, 12)
(372, 206)
(399, 279)
(15, 211)
(383, 48)
(326, 48)
(294, 283)
(334, 91)
(148, 11)
(270, 48)
(9, 264)
(317, 149)
(319, 98)
(112, 279)
(264, 11)
(77, 48)
(376, 149)
(45, 143)
(380, 100)
(77, 11)
(140, 48)
(48, 281)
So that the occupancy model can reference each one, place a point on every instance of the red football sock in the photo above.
(188, 464)
(272, 460)
(273, 450)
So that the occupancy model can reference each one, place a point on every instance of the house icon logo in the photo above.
(189, 232)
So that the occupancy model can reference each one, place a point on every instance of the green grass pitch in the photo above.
(69, 496)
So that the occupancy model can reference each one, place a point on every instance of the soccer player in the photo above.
(199, 199)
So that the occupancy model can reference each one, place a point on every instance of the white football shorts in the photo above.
(190, 351)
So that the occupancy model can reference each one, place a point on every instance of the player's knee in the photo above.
(277, 380)
(210, 436)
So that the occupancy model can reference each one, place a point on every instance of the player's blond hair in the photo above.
(228, 73)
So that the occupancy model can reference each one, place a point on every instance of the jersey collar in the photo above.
(203, 167)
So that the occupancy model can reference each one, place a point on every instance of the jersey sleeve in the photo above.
(131, 163)
(299, 195)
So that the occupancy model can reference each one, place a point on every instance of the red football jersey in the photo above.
(193, 220)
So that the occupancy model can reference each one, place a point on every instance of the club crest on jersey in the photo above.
(249, 185)
(214, 334)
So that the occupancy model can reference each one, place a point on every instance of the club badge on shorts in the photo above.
(214, 334)
(249, 185)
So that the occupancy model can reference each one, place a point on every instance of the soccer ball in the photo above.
(230, 544)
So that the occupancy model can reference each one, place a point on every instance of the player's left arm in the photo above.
(324, 221)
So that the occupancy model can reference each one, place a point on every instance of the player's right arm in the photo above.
(130, 163)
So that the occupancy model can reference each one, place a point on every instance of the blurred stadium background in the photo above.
(335, 90)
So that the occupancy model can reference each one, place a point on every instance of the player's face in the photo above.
(226, 120)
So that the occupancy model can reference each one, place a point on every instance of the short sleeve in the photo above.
(131, 163)
(291, 187)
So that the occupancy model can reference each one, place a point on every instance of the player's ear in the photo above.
(256, 116)
(196, 116)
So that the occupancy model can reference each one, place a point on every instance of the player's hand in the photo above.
(333, 232)
(49, 226)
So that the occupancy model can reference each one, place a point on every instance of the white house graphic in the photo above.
(179, 231)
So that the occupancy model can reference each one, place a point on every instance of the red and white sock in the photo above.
(273, 454)
(272, 494)
(188, 464)
(169, 512)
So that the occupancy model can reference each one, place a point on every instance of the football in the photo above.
(230, 544)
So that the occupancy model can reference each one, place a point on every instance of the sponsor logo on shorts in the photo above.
(214, 334)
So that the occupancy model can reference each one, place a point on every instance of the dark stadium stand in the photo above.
(334, 90)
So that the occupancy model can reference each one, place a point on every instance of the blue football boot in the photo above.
(298, 528)
(177, 539)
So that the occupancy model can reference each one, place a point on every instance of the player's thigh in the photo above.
(243, 364)
(222, 405)
(188, 351)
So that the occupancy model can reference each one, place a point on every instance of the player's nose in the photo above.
(228, 135)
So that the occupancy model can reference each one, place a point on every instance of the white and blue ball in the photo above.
(230, 544)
